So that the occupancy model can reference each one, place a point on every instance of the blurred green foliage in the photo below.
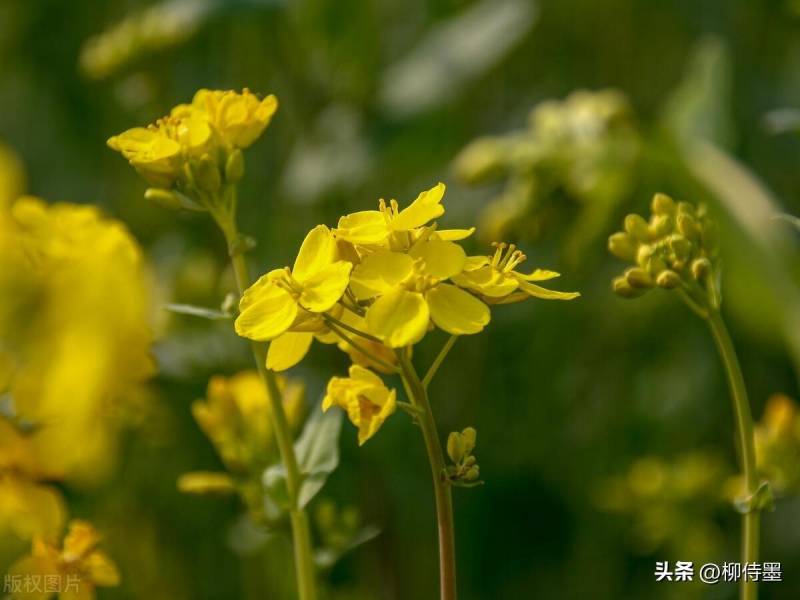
(377, 99)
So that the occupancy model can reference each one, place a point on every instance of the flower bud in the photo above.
(622, 288)
(623, 246)
(688, 226)
(206, 175)
(668, 279)
(468, 437)
(660, 225)
(455, 447)
(472, 473)
(637, 227)
(163, 197)
(638, 278)
(701, 267)
(469, 461)
(662, 204)
(234, 166)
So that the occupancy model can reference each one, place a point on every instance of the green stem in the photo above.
(360, 349)
(301, 532)
(747, 453)
(437, 362)
(441, 487)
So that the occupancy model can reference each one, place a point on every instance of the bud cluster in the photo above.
(676, 248)
(465, 469)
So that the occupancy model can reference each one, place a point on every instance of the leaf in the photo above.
(198, 311)
(317, 451)
(325, 558)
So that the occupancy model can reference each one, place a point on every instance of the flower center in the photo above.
(506, 257)
(285, 281)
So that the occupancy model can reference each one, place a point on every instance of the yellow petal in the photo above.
(286, 350)
(363, 227)
(266, 313)
(102, 570)
(426, 207)
(399, 318)
(487, 281)
(442, 259)
(369, 426)
(34, 568)
(317, 252)
(537, 275)
(545, 294)
(379, 273)
(452, 235)
(324, 288)
(456, 311)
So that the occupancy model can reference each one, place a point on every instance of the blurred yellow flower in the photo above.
(365, 397)
(74, 327)
(73, 571)
(777, 440)
(497, 282)
(206, 482)
(409, 292)
(283, 297)
(236, 418)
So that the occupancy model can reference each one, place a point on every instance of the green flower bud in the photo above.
(681, 249)
(622, 288)
(468, 437)
(207, 176)
(455, 447)
(162, 197)
(469, 461)
(686, 209)
(662, 204)
(472, 473)
(660, 225)
(643, 255)
(668, 279)
(234, 166)
(623, 246)
(639, 278)
(701, 267)
(687, 225)
(637, 227)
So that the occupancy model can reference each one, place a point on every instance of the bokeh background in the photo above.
(604, 426)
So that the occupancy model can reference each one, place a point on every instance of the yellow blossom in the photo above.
(365, 397)
(206, 482)
(236, 418)
(284, 297)
(239, 118)
(494, 278)
(77, 566)
(409, 292)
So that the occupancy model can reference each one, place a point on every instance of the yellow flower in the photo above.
(239, 118)
(409, 292)
(236, 418)
(75, 569)
(28, 506)
(494, 278)
(364, 396)
(157, 152)
(206, 482)
(75, 311)
(283, 297)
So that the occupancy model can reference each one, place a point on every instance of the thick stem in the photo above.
(441, 487)
(301, 533)
(747, 453)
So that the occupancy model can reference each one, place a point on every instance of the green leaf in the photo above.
(325, 558)
(317, 451)
(276, 490)
(198, 311)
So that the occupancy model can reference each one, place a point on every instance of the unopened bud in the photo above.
(455, 447)
(468, 437)
(688, 226)
(660, 225)
(622, 288)
(668, 279)
(701, 267)
(469, 461)
(472, 473)
(638, 278)
(482, 160)
(162, 197)
(663, 204)
(623, 246)
(234, 166)
(637, 227)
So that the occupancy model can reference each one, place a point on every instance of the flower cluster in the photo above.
(235, 416)
(73, 570)
(583, 147)
(192, 156)
(465, 467)
(676, 248)
(376, 284)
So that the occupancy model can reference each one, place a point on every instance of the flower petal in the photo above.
(426, 207)
(442, 259)
(363, 227)
(317, 252)
(379, 273)
(325, 287)
(487, 281)
(545, 294)
(288, 349)
(456, 311)
(266, 314)
(537, 275)
(452, 235)
(399, 318)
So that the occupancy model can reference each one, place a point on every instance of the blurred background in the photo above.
(604, 426)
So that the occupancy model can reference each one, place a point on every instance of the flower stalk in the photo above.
(441, 487)
(301, 532)
(747, 452)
